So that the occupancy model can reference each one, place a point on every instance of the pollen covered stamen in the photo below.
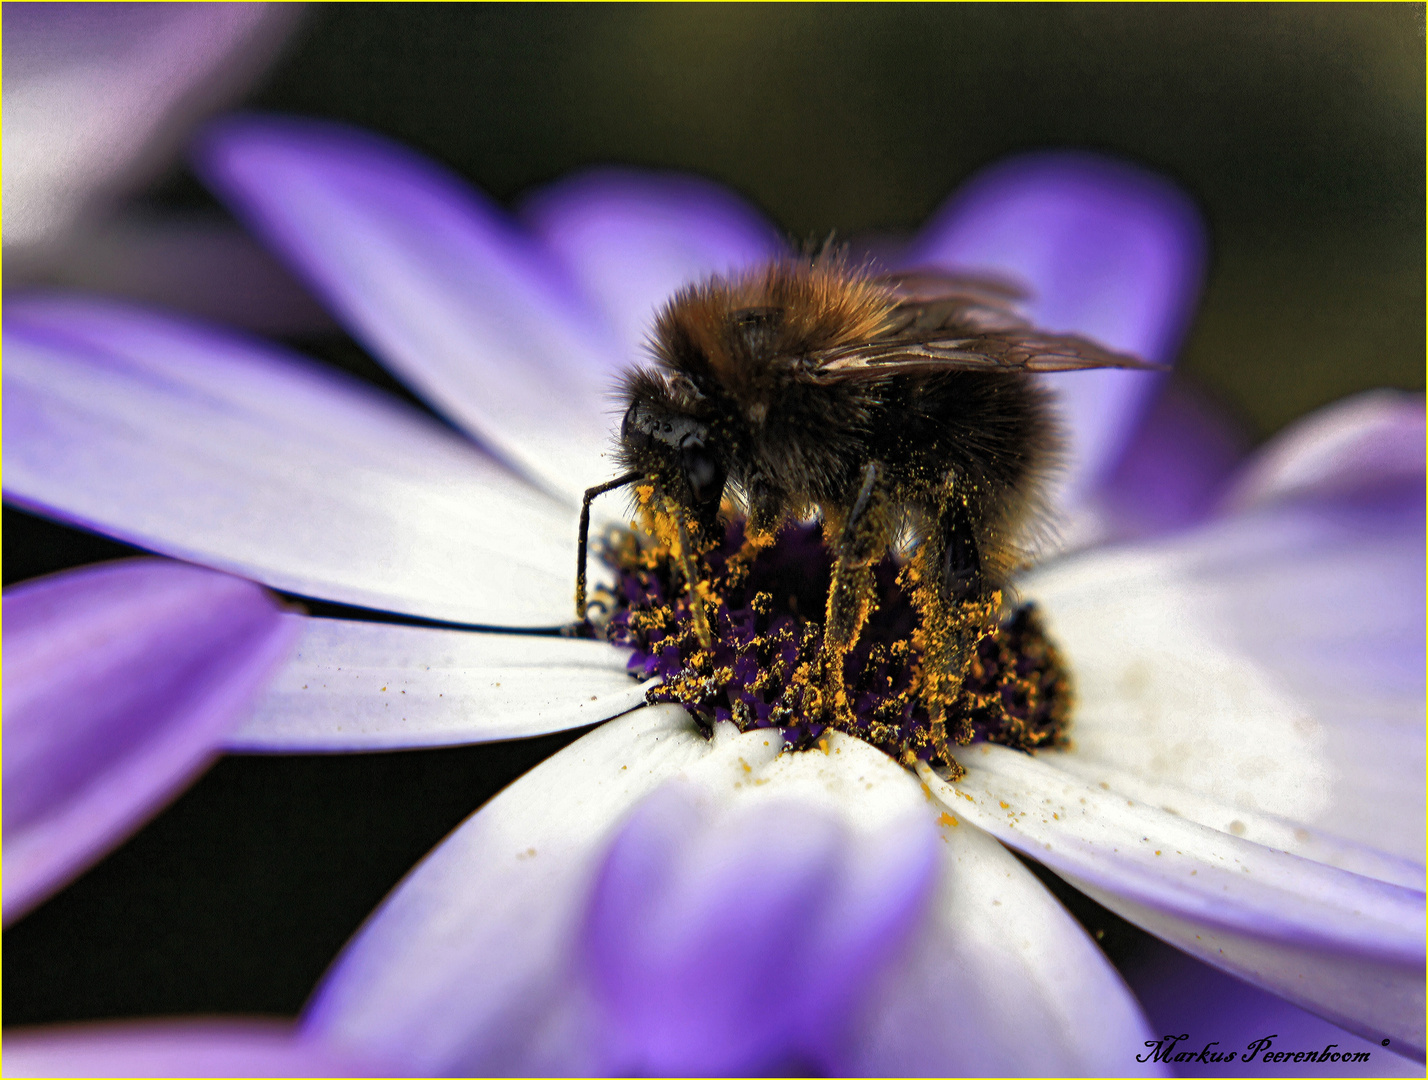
(761, 664)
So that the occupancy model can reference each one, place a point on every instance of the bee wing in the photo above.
(1007, 352)
(957, 304)
(953, 322)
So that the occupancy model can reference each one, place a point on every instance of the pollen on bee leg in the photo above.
(764, 662)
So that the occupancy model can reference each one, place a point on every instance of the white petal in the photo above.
(467, 957)
(184, 1047)
(1271, 662)
(436, 280)
(376, 686)
(1268, 830)
(212, 448)
(1004, 982)
(1347, 947)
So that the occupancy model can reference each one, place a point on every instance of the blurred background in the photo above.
(1298, 129)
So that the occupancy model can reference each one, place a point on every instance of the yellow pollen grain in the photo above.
(1003, 805)
(947, 819)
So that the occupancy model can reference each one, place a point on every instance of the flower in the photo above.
(1249, 689)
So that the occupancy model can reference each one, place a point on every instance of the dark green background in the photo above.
(1300, 131)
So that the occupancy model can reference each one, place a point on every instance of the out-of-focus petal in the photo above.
(1353, 447)
(435, 280)
(1271, 662)
(744, 909)
(120, 682)
(1348, 947)
(1184, 997)
(631, 239)
(1003, 982)
(214, 448)
(354, 686)
(178, 1048)
(464, 969)
(1175, 468)
(1107, 250)
(198, 264)
(98, 98)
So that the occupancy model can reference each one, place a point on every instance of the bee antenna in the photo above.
(590, 493)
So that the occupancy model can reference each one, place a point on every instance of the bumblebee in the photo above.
(898, 409)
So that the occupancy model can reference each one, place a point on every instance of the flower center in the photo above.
(760, 668)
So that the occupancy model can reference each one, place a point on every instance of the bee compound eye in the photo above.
(703, 471)
(634, 429)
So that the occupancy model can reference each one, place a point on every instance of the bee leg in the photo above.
(862, 539)
(760, 528)
(958, 603)
(689, 567)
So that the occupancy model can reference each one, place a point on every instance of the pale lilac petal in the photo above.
(1271, 662)
(1003, 982)
(1107, 250)
(464, 969)
(121, 681)
(214, 448)
(1219, 1014)
(198, 1047)
(1348, 947)
(98, 98)
(1175, 468)
(435, 280)
(353, 686)
(1352, 447)
(744, 909)
(631, 239)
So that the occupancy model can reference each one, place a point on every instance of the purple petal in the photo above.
(740, 917)
(435, 280)
(1356, 447)
(1217, 1011)
(1001, 982)
(465, 968)
(631, 239)
(121, 681)
(1107, 250)
(1175, 469)
(178, 1048)
(1346, 946)
(218, 449)
(353, 686)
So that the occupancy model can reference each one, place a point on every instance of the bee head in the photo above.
(678, 453)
